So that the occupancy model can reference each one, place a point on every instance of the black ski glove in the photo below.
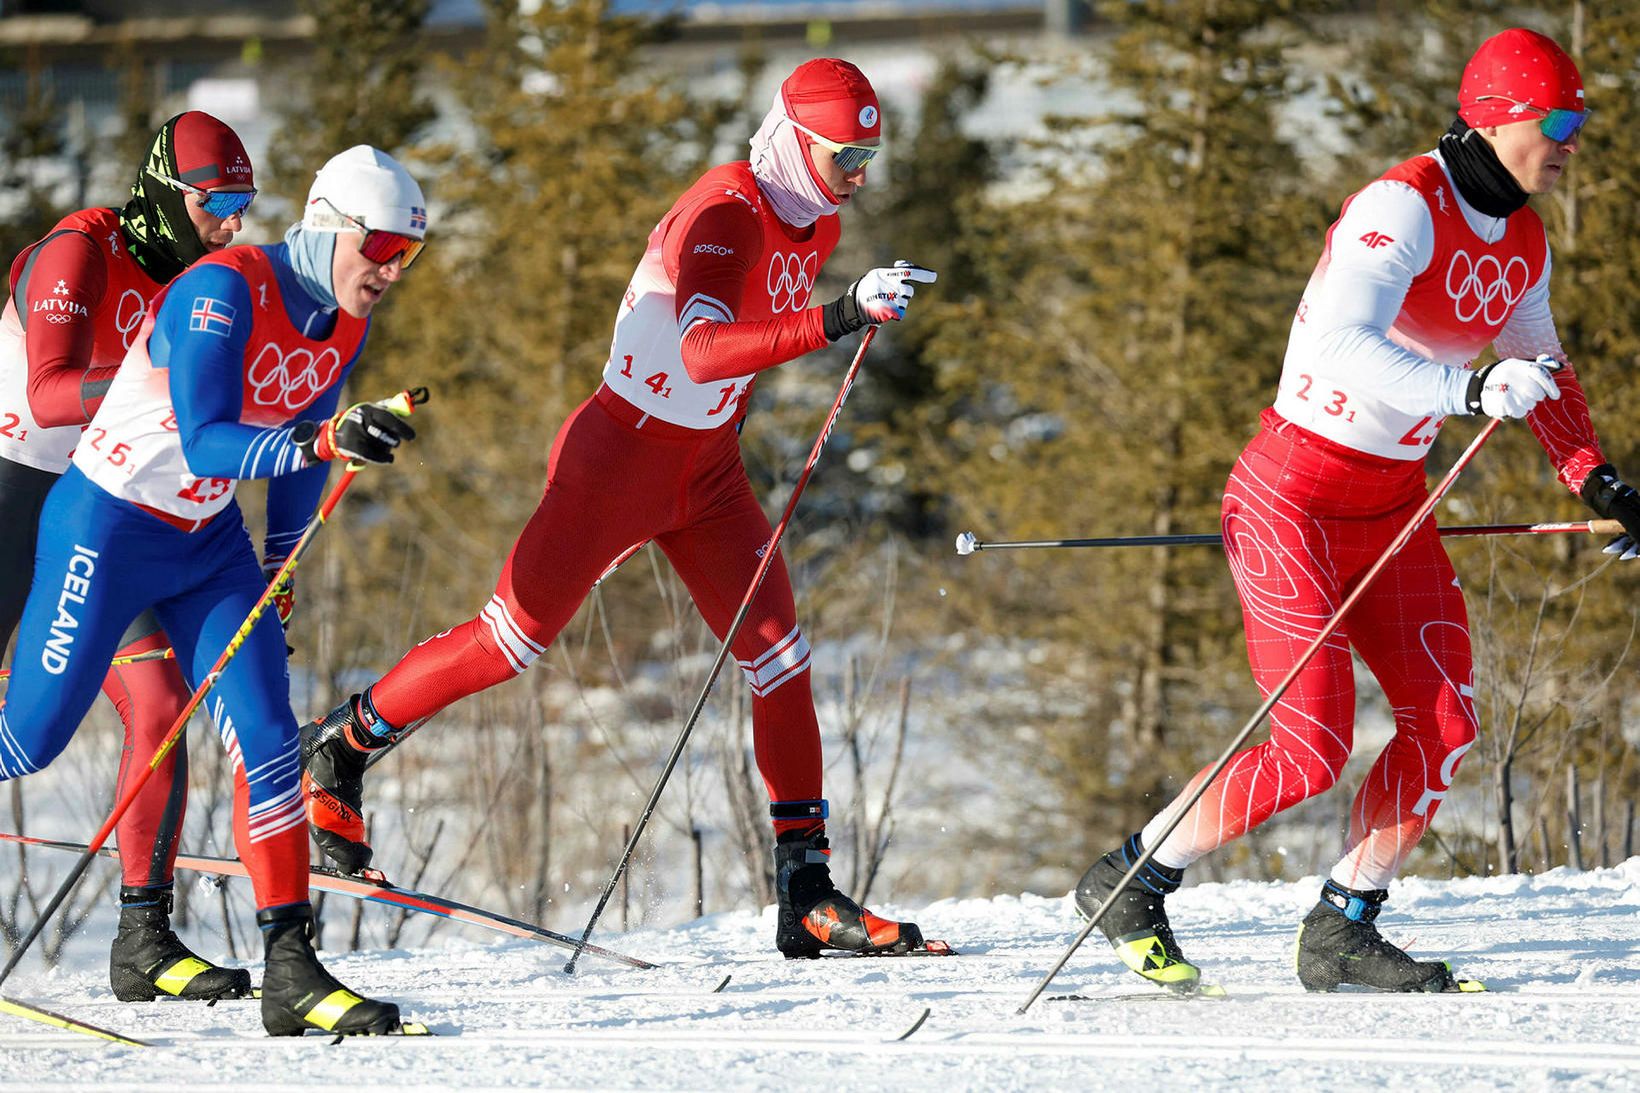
(1611, 497)
(363, 431)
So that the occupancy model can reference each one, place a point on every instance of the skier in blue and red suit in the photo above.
(236, 373)
(76, 303)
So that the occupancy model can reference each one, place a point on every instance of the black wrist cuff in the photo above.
(1600, 488)
(842, 316)
(1472, 397)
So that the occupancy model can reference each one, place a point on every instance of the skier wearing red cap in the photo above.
(77, 299)
(1422, 270)
(721, 294)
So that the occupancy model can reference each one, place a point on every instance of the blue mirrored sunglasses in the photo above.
(1558, 125)
(221, 204)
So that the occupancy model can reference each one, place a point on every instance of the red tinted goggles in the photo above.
(383, 247)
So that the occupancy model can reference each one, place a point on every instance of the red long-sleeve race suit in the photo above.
(722, 293)
(76, 301)
(1412, 284)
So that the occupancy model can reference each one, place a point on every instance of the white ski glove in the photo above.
(881, 296)
(1512, 387)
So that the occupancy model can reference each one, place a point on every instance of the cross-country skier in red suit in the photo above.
(721, 294)
(1423, 269)
(77, 298)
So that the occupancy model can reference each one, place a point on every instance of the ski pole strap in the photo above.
(800, 810)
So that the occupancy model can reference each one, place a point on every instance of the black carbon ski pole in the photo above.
(968, 543)
(1271, 699)
(763, 565)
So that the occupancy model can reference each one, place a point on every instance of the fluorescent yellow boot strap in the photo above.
(175, 979)
(332, 1009)
(1146, 956)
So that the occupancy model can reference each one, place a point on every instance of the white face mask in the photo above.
(780, 163)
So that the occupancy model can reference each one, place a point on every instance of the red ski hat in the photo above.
(1519, 65)
(208, 154)
(834, 99)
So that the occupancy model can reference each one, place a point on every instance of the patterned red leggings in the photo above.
(1304, 519)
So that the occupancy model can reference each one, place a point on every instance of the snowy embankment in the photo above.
(1560, 951)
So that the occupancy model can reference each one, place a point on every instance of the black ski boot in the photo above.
(148, 960)
(1338, 944)
(335, 749)
(298, 994)
(1136, 924)
(814, 915)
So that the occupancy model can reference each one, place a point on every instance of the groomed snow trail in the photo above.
(1560, 951)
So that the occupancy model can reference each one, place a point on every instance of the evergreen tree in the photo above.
(29, 146)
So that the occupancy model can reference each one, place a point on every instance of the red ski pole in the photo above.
(723, 649)
(1274, 696)
(402, 404)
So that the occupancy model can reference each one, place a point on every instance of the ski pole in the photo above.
(121, 662)
(968, 543)
(403, 404)
(1332, 624)
(410, 730)
(767, 560)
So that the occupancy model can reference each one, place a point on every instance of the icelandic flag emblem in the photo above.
(418, 218)
(211, 316)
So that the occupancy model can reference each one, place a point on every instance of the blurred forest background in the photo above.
(1116, 286)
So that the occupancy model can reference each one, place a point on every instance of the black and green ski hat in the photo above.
(198, 150)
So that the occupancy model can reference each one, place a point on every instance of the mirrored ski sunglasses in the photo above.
(848, 157)
(379, 245)
(221, 204)
(1558, 125)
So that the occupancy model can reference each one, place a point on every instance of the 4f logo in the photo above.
(1374, 240)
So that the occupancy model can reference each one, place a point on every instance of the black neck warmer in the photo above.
(1481, 178)
(155, 220)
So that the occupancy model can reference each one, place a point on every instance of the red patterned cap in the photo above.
(1521, 65)
(834, 99)
(208, 153)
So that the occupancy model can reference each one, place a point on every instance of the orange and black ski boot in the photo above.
(814, 915)
(335, 750)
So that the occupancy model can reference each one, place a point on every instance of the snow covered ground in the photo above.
(1560, 951)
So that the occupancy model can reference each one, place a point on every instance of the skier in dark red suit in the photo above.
(1424, 268)
(722, 293)
(77, 300)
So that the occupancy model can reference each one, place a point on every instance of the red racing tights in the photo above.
(1304, 518)
(614, 478)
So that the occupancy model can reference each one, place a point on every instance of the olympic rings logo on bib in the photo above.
(128, 315)
(791, 279)
(289, 381)
(1485, 288)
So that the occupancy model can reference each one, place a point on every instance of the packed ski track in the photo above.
(1560, 952)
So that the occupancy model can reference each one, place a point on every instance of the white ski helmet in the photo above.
(368, 186)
